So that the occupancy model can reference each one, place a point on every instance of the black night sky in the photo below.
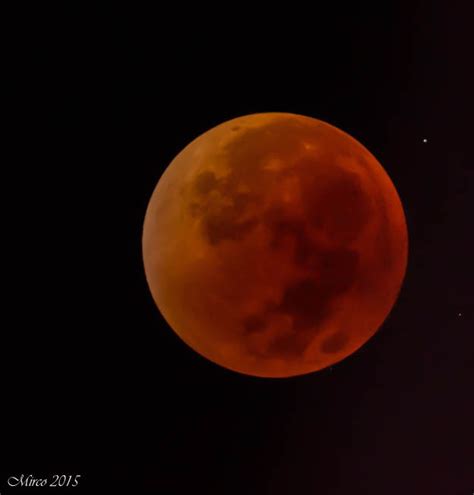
(95, 383)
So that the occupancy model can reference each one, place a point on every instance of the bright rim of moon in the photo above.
(275, 244)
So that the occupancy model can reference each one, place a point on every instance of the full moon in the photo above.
(275, 245)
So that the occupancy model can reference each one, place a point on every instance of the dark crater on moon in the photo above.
(334, 343)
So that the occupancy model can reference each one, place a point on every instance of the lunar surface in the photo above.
(275, 245)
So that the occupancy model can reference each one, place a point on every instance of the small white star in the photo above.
(459, 314)
(425, 140)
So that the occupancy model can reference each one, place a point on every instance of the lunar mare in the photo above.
(275, 244)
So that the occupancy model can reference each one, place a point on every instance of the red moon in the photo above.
(275, 245)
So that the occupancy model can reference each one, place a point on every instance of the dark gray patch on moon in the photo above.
(334, 343)
(308, 303)
(225, 225)
(254, 324)
(205, 182)
(223, 216)
(335, 201)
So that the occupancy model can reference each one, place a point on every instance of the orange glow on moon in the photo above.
(275, 245)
